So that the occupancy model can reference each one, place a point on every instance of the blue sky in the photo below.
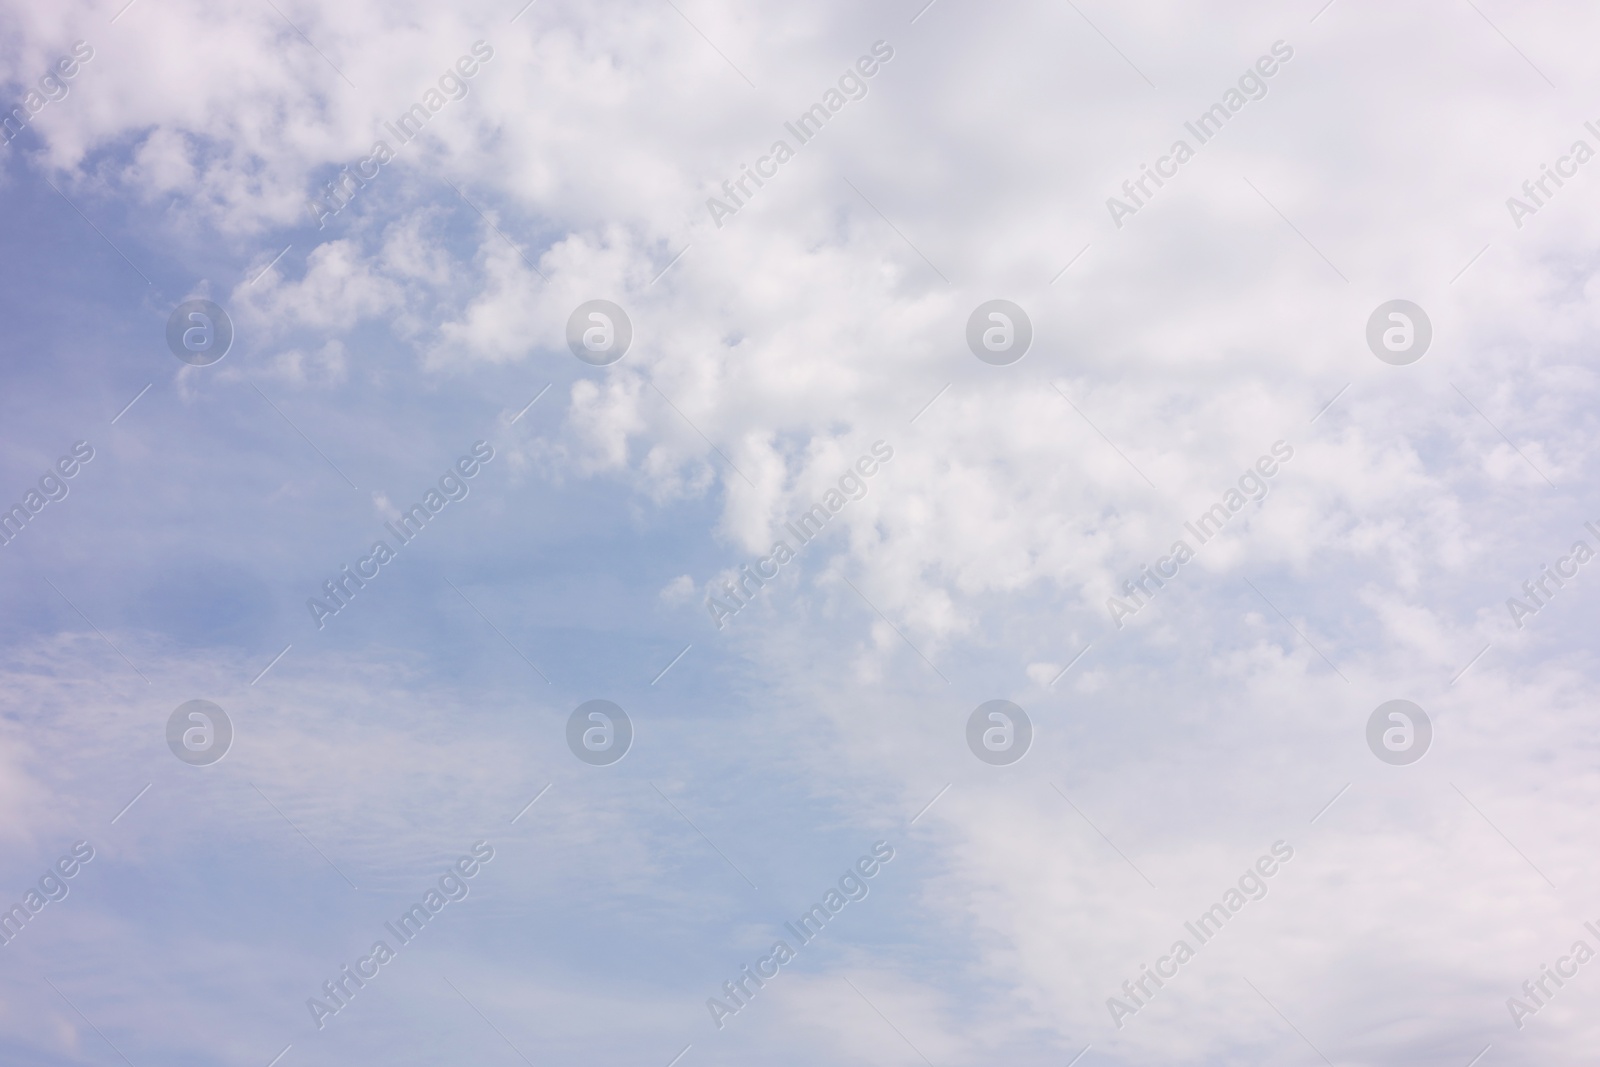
(768, 354)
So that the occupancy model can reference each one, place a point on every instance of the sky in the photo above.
(1295, 429)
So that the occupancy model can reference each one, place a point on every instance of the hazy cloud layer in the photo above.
(405, 212)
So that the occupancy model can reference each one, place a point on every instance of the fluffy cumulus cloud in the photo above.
(799, 531)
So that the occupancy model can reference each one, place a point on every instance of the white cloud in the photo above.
(1220, 319)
